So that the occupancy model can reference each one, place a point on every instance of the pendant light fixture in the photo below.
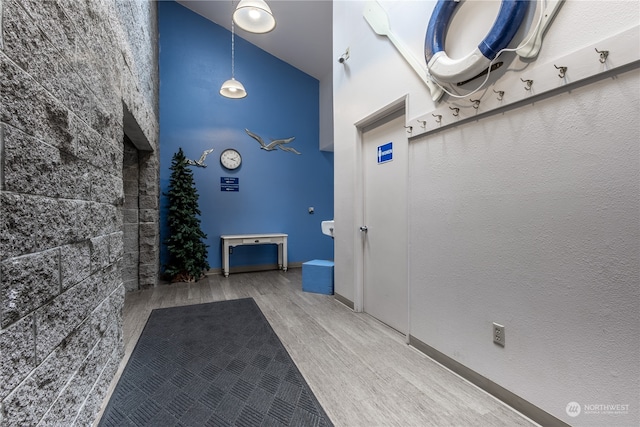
(232, 88)
(254, 16)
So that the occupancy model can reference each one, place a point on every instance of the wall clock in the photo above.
(230, 159)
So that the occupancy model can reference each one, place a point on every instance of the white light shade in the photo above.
(254, 16)
(233, 89)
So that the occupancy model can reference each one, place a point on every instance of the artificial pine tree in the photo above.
(187, 251)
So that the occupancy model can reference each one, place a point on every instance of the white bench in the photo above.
(231, 240)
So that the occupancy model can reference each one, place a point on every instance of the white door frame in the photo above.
(391, 108)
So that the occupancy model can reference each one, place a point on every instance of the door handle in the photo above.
(364, 229)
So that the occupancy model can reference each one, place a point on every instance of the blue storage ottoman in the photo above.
(317, 276)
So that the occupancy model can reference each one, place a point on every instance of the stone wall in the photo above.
(130, 216)
(75, 76)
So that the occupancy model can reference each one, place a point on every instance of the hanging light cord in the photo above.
(233, 49)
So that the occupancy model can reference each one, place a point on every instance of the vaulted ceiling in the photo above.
(302, 36)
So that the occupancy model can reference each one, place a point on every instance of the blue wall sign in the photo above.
(228, 183)
(385, 152)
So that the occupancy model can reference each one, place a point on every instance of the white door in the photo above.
(385, 218)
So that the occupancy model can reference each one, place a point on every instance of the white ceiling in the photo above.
(302, 36)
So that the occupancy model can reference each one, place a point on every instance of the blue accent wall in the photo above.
(276, 187)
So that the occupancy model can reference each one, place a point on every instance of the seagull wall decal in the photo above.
(200, 161)
(275, 143)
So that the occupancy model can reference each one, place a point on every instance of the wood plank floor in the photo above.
(361, 371)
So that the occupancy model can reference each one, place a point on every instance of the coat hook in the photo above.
(563, 70)
(500, 94)
(423, 123)
(455, 110)
(344, 57)
(603, 55)
(438, 117)
(476, 103)
(528, 82)
(409, 129)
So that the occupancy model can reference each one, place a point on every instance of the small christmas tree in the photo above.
(187, 251)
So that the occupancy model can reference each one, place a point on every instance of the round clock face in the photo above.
(230, 158)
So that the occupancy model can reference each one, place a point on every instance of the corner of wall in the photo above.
(326, 113)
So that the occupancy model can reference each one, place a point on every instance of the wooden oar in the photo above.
(531, 48)
(378, 19)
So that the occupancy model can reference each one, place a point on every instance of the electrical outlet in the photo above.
(498, 334)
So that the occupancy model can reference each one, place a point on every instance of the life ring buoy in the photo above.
(449, 70)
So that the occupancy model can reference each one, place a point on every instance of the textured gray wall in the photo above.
(130, 216)
(74, 76)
